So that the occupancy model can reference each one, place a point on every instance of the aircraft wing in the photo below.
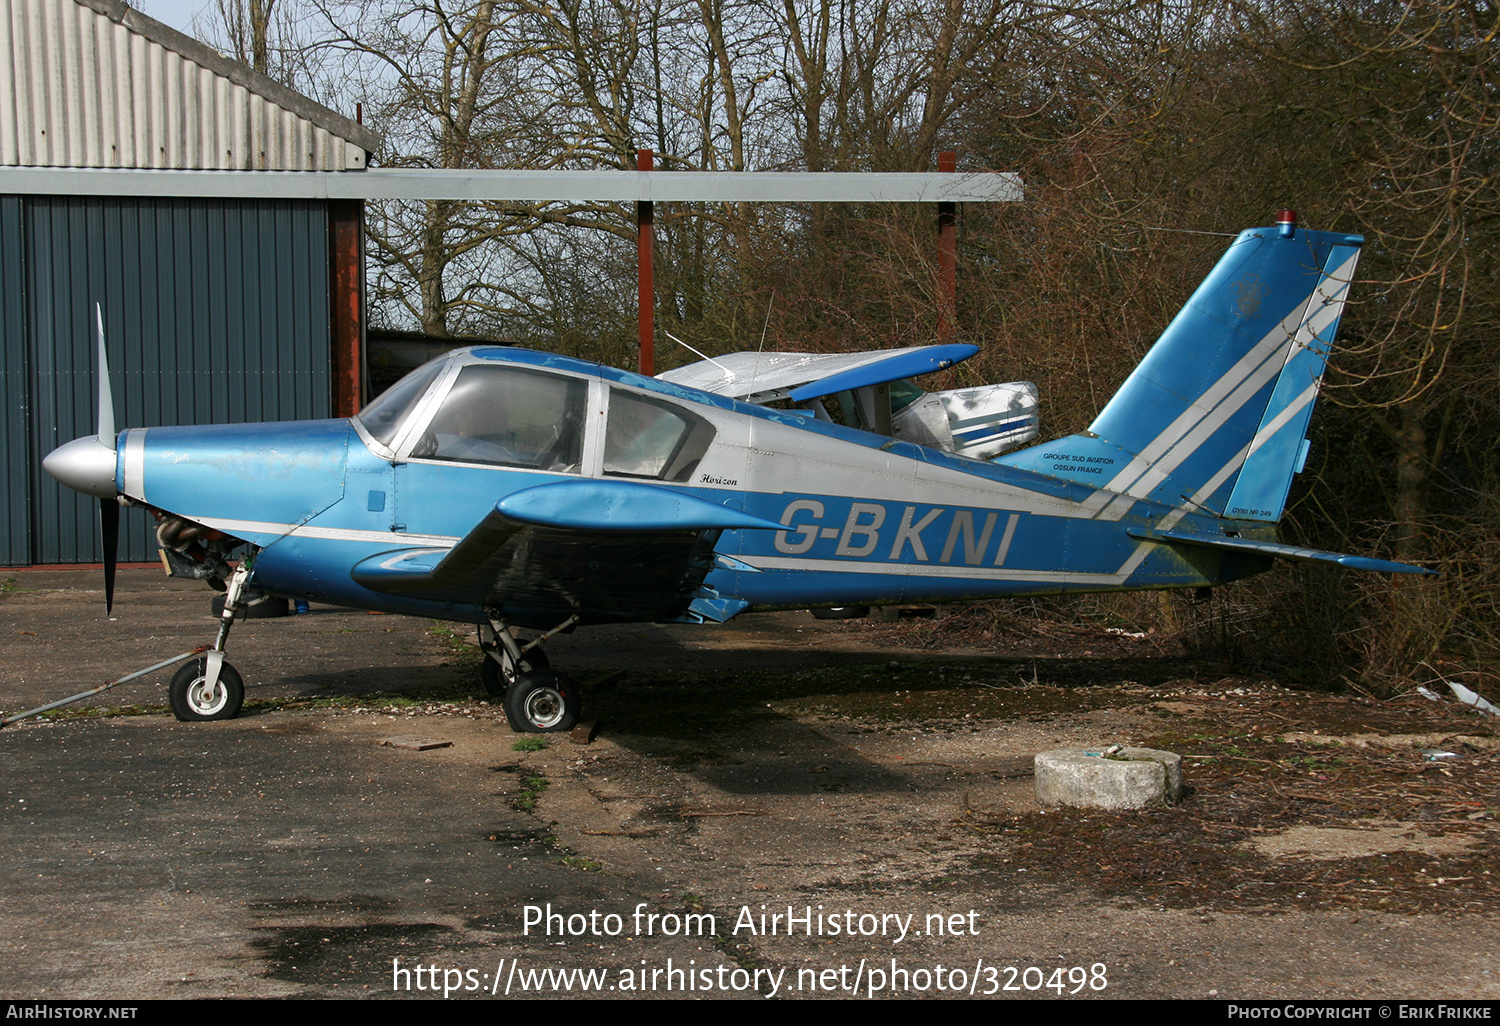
(766, 377)
(606, 550)
(1264, 548)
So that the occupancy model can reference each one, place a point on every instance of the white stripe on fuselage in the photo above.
(866, 476)
(239, 527)
(135, 463)
(989, 573)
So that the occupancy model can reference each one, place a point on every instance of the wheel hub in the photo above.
(207, 700)
(545, 707)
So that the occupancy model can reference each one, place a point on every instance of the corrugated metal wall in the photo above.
(215, 312)
(15, 462)
(83, 89)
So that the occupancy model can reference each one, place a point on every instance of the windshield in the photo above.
(387, 411)
(508, 416)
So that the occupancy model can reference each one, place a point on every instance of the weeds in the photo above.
(579, 862)
(531, 789)
(457, 641)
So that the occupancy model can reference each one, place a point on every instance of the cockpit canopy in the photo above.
(481, 410)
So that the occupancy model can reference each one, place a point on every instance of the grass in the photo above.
(530, 744)
(90, 712)
(531, 789)
(579, 862)
(457, 641)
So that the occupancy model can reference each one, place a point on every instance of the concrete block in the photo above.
(1108, 778)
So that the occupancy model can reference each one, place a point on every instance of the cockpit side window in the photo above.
(510, 417)
(904, 393)
(649, 438)
(386, 413)
(842, 409)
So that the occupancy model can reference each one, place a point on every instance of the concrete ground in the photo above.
(291, 852)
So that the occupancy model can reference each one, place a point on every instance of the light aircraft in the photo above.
(528, 493)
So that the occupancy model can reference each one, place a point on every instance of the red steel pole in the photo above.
(347, 306)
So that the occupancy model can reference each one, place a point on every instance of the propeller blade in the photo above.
(106, 398)
(109, 506)
(109, 530)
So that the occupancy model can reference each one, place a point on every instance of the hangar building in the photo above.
(217, 308)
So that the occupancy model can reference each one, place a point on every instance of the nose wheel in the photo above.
(195, 697)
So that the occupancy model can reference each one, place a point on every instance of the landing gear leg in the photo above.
(536, 699)
(504, 658)
(210, 688)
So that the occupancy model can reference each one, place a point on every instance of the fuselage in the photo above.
(502, 485)
(867, 520)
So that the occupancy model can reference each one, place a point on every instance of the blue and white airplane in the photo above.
(529, 493)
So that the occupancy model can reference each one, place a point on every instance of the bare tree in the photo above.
(265, 34)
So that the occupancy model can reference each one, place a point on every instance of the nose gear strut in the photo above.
(210, 688)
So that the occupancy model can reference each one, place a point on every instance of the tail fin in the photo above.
(1215, 417)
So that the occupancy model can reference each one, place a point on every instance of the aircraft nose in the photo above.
(85, 465)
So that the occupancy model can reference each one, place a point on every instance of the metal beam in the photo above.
(523, 186)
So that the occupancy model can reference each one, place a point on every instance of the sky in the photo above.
(176, 13)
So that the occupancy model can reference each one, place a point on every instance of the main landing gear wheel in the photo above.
(193, 700)
(841, 613)
(496, 681)
(540, 703)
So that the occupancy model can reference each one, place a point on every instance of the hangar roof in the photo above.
(95, 84)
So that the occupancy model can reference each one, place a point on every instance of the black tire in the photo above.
(541, 703)
(190, 703)
(841, 613)
(496, 683)
(260, 607)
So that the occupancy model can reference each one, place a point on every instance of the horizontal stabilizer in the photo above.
(1276, 549)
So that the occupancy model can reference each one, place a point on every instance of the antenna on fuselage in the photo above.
(767, 325)
(705, 356)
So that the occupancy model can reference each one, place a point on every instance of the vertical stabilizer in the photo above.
(1215, 417)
